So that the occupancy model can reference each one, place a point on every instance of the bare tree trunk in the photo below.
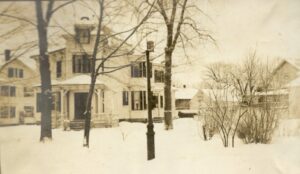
(87, 125)
(46, 96)
(168, 90)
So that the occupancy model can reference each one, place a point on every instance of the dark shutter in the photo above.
(12, 91)
(144, 100)
(38, 102)
(132, 100)
(73, 63)
(161, 101)
(58, 69)
(21, 74)
(10, 72)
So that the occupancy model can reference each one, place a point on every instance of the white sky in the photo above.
(271, 27)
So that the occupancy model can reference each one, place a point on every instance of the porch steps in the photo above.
(77, 124)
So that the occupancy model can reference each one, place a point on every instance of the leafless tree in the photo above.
(108, 12)
(222, 106)
(259, 101)
(43, 18)
(178, 23)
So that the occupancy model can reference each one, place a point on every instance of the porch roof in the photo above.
(76, 80)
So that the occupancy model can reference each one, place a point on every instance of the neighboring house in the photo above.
(16, 93)
(186, 98)
(285, 72)
(186, 101)
(120, 95)
(282, 93)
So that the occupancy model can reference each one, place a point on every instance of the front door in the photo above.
(80, 102)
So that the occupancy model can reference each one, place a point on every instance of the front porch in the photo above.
(69, 104)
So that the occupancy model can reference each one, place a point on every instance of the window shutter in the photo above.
(132, 100)
(141, 100)
(10, 72)
(38, 102)
(144, 100)
(21, 74)
(73, 63)
(161, 101)
(12, 91)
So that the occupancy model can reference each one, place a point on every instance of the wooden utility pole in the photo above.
(150, 126)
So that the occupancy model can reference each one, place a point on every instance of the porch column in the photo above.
(99, 98)
(62, 106)
(62, 103)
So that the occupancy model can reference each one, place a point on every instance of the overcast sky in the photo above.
(271, 27)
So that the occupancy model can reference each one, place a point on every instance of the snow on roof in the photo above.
(77, 80)
(185, 93)
(273, 92)
(220, 94)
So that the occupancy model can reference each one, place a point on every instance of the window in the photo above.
(125, 98)
(55, 104)
(138, 100)
(159, 76)
(8, 91)
(161, 101)
(81, 64)
(58, 69)
(139, 69)
(15, 73)
(7, 112)
(28, 111)
(28, 92)
(83, 36)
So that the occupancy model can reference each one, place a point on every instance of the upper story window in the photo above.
(83, 36)
(139, 69)
(159, 76)
(81, 64)
(15, 73)
(8, 91)
(58, 69)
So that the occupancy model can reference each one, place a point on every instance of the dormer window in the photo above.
(83, 36)
(81, 64)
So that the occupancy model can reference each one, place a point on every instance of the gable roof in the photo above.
(284, 61)
(6, 63)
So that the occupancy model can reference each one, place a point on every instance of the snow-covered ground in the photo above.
(122, 150)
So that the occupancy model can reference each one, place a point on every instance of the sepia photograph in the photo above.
(149, 86)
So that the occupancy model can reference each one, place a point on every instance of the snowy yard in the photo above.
(122, 150)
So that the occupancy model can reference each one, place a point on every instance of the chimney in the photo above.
(7, 54)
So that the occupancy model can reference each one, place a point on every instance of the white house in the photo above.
(16, 93)
(120, 95)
